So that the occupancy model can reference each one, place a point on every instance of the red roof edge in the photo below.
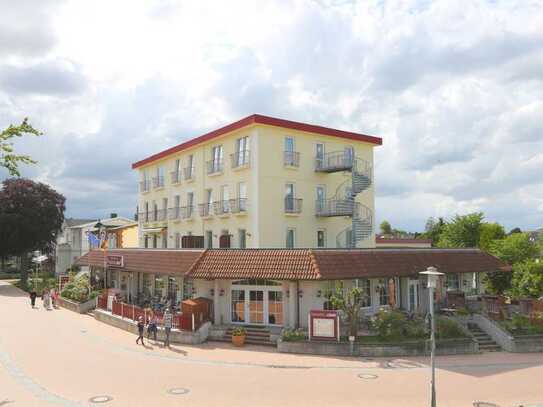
(260, 119)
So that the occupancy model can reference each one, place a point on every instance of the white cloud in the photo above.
(454, 89)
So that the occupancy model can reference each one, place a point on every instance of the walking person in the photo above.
(33, 296)
(53, 297)
(152, 326)
(141, 327)
(46, 299)
(167, 322)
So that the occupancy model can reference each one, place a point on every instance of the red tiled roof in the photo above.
(299, 264)
(260, 119)
(278, 264)
(145, 260)
(384, 239)
(338, 264)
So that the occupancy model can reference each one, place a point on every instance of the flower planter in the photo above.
(238, 340)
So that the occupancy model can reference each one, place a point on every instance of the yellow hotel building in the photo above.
(260, 182)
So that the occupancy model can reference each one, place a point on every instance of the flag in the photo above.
(94, 242)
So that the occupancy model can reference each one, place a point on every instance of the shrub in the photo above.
(78, 289)
(462, 312)
(239, 331)
(292, 335)
(394, 325)
(521, 324)
(446, 328)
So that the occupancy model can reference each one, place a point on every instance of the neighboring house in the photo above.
(260, 182)
(399, 242)
(123, 237)
(73, 241)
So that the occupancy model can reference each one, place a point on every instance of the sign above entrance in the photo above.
(323, 325)
(115, 261)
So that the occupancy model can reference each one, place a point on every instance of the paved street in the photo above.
(61, 358)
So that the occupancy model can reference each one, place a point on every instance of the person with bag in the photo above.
(152, 326)
(141, 328)
(33, 296)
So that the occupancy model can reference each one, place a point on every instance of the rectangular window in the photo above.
(242, 151)
(321, 198)
(164, 240)
(453, 282)
(224, 198)
(177, 166)
(189, 171)
(209, 200)
(348, 155)
(290, 241)
(209, 239)
(321, 239)
(155, 243)
(319, 155)
(155, 211)
(242, 238)
(383, 292)
(289, 144)
(146, 211)
(190, 204)
(365, 287)
(217, 161)
(177, 201)
(289, 197)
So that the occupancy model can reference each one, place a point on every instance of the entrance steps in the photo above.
(486, 343)
(256, 335)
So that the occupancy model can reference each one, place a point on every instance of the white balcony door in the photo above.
(321, 197)
(319, 155)
(413, 295)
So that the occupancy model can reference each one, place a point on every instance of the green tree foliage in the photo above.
(8, 158)
(527, 279)
(350, 303)
(462, 231)
(385, 227)
(514, 248)
(31, 216)
(433, 230)
(489, 233)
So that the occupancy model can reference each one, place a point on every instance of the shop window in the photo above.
(365, 287)
(453, 282)
(187, 288)
(382, 289)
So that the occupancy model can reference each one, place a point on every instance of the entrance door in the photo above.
(413, 292)
(260, 302)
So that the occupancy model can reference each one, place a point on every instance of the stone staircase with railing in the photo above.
(486, 343)
(344, 202)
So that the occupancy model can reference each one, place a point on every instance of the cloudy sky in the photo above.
(454, 88)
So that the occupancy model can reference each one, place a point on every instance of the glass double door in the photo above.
(257, 306)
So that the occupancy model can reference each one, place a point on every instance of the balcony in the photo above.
(238, 205)
(158, 182)
(176, 177)
(187, 212)
(221, 208)
(334, 207)
(215, 167)
(189, 173)
(145, 185)
(205, 210)
(240, 159)
(175, 213)
(334, 162)
(293, 205)
(291, 158)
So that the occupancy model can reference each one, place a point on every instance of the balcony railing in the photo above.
(176, 177)
(158, 182)
(174, 213)
(221, 207)
(158, 215)
(238, 205)
(215, 166)
(187, 212)
(205, 209)
(145, 185)
(240, 159)
(189, 173)
(334, 207)
(335, 161)
(291, 158)
(293, 205)
(144, 217)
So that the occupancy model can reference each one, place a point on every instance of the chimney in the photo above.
(113, 215)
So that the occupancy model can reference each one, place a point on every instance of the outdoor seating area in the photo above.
(193, 315)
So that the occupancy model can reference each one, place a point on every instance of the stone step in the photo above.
(247, 341)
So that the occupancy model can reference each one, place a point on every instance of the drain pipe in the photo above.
(297, 303)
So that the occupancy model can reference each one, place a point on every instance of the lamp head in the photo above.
(432, 275)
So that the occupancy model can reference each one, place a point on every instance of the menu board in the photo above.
(324, 327)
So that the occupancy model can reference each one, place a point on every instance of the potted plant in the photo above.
(238, 336)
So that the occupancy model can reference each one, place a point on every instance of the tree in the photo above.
(350, 303)
(31, 216)
(8, 158)
(490, 232)
(462, 231)
(514, 249)
(527, 279)
(515, 230)
(433, 230)
(386, 229)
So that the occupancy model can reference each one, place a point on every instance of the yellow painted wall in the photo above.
(130, 237)
(265, 181)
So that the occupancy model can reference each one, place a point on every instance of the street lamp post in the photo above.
(433, 276)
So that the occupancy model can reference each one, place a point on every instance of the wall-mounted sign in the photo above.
(323, 325)
(115, 261)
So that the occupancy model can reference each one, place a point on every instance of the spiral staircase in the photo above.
(344, 201)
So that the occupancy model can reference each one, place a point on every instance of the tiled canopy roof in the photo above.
(299, 264)
(145, 260)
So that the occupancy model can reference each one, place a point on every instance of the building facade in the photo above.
(260, 182)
